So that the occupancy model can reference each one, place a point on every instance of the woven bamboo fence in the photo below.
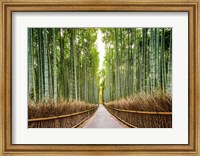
(62, 121)
(142, 119)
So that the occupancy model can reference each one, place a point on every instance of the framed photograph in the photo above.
(106, 78)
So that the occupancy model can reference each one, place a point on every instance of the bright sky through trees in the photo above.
(101, 48)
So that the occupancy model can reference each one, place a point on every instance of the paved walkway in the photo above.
(102, 119)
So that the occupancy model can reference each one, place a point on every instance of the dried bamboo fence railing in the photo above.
(59, 121)
(142, 119)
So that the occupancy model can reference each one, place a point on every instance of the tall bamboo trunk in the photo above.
(163, 64)
(79, 77)
(152, 64)
(157, 67)
(75, 75)
(30, 64)
(143, 58)
(71, 88)
(49, 49)
(39, 70)
(146, 61)
(121, 64)
(117, 66)
(55, 67)
(46, 69)
(127, 64)
(85, 78)
(139, 78)
(134, 60)
(170, 64)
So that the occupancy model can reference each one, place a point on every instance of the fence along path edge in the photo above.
(139, 112)
(61, 116)
(124, 122)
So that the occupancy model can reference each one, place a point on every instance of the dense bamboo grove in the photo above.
(137, 60)
(62, 64)
(64, 69)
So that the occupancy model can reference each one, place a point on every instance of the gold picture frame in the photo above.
(9, 6)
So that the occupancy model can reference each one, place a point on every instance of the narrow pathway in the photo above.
(102, 119)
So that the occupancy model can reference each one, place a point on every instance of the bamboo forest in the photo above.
(85, 77)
